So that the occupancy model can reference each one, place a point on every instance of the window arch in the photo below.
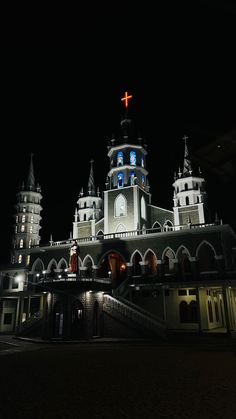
(120, 180)
(120, 158)
(84, 217)
(21, 243)
(186, 186)
(132, 158)
(157, 225)
(132, 178)
(120, 206)
(168, 261)
(120, 228)
(187, 200)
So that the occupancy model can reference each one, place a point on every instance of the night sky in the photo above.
(63, 105)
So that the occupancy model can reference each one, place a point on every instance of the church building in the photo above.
(131, 268)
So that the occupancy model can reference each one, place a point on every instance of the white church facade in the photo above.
(138, 269)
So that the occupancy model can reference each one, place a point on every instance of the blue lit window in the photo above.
(120, 159)
(120, 180)
(132, 155)
(132, 178)
(143, 181)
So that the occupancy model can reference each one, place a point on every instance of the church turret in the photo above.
(190, 198)
(89, 210)
(127, 186)
(27, 218)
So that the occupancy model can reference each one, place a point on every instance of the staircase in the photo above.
(132, 315)
(30, 326)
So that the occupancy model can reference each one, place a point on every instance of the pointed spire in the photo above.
(51, 241)
(31, 182)
(91, 184)
(187, 169)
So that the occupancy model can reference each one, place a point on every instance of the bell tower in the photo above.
(27, 218)
(127, 190)
(190, 198)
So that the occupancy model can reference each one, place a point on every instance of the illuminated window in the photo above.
(15, 229)
(19, 258)
(132, 178)
(27, 260)
(120, 180)
(30, 243)
(31, 229)
(17, 218)
(143, 181)
(142, 161)
(22, 229)
(21, 243)
(24, 209)
(25, 198)
(132, 156)
(23, 218)
(31, 219)
(120, 159)
(120, 206)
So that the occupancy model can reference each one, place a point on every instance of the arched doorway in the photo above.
(57, 320)
(136, 265)
(150, 258)
(77, 314)
(113, 265)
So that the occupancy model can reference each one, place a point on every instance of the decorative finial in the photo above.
(31, 181)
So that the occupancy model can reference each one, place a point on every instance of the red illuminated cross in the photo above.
(126, 99)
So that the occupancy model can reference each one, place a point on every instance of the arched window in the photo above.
(19, 258)
(23, 218)
(183, 312)
(120, 228)
(143, 209)
(186, 186)
(142, 161)
(168, 261)
(32, 219)
(84, 217)
(132, 156)
(22, 229)
(31, 229)
(197, 199)
(15, 281)
(143, 181)
(84, 204)
(25, 198)
(120, 180)
(30, 243)
(216, 311)
(132, 175)
(187, 200)
(21, 243)
(210, 312)
(120, 158)
(193, 317)
(120, 206)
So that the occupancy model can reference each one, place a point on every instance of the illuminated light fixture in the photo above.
(19, 278)
(59, 276)
(66, 270)
(37, 275)
(44, 272)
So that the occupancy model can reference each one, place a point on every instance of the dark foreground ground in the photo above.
(119, 380)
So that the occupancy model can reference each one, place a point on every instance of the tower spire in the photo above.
(31, 181)
(187, 168)
(91, 183)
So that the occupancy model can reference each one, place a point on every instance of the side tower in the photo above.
(27, 218)
(190, 198)
(89, 209)
(127, 191)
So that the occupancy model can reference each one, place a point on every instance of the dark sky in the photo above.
(63, 104)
